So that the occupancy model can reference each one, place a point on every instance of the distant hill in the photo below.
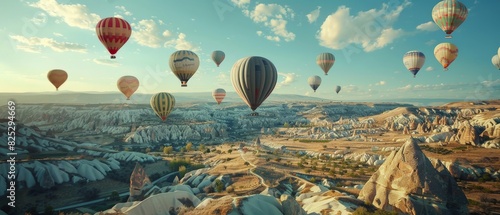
(66, 97)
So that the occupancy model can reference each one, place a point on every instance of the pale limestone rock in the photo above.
(408, 182)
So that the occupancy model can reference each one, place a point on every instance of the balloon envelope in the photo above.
(325, 61)
(127, 85)
(219, 95)
(113, 32)
(449, 15)
(413, 61)
(162, 104)
(218, 56)
(314, 82)
(254, 78)
(184, 64)
(337, 89)
(57, 77)
(495, 60)
(445, 53)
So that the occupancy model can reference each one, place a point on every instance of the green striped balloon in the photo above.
(325, 61)
(254, 78)
(449, 15)
(162, 104)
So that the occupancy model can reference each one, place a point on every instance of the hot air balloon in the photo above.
(445, 53)
(495, 60)
(449, 15)
(57, 77)
(218, 56)
(184, 64)
(254, 78)
(337, 89)
(325, 61)
(219, 95)
(127, 85)
(162, 104)
(414, 60)
(113, 32)
(314, 82)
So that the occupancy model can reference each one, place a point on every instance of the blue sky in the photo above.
(368, 39)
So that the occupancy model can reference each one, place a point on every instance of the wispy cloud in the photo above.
(34, 44)
(313, 15)
(370, 29)
(288, 79)
(106, 62)
(241, 3)
(429, 68)
(147, 33)
(180, 43)
(380, 83)
(428, 26)
(123, 10)
(74, 15)
(273, 16)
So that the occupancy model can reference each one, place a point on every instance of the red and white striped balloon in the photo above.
(113, 32)
(219, 95)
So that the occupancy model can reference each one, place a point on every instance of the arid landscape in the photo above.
(223, 160)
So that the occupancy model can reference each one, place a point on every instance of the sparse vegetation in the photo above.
(437, 150)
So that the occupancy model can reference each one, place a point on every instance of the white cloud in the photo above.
(40, 19)
(431, 42)
(123, 10)
(241, 3)
(289, 78)
(350, 88)
(407, 87)
(311, 17)
(182, 44)
(106, 62)
(274, 17)
(34, 44)
(370, 29)
(429, 68)
(259, 33)
(223, 78)
(58, 34)
(147, 33)
(74, 15)
(428, 26)
(380, 83)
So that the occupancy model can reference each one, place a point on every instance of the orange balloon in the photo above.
(57, 77)
(128, 85)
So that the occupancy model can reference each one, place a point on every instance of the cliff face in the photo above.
(410, 183)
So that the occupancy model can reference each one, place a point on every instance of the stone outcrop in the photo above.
(409, 183)
(405, 130)
(291, 206)
(467, 134)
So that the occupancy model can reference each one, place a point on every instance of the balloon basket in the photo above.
(254, 114)
(113, 57)
(448, 36)
(184, 84)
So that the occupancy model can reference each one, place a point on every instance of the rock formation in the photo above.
(436, 120)
(409, 183)
(413, 124)
(405, 130)
(467, 134)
